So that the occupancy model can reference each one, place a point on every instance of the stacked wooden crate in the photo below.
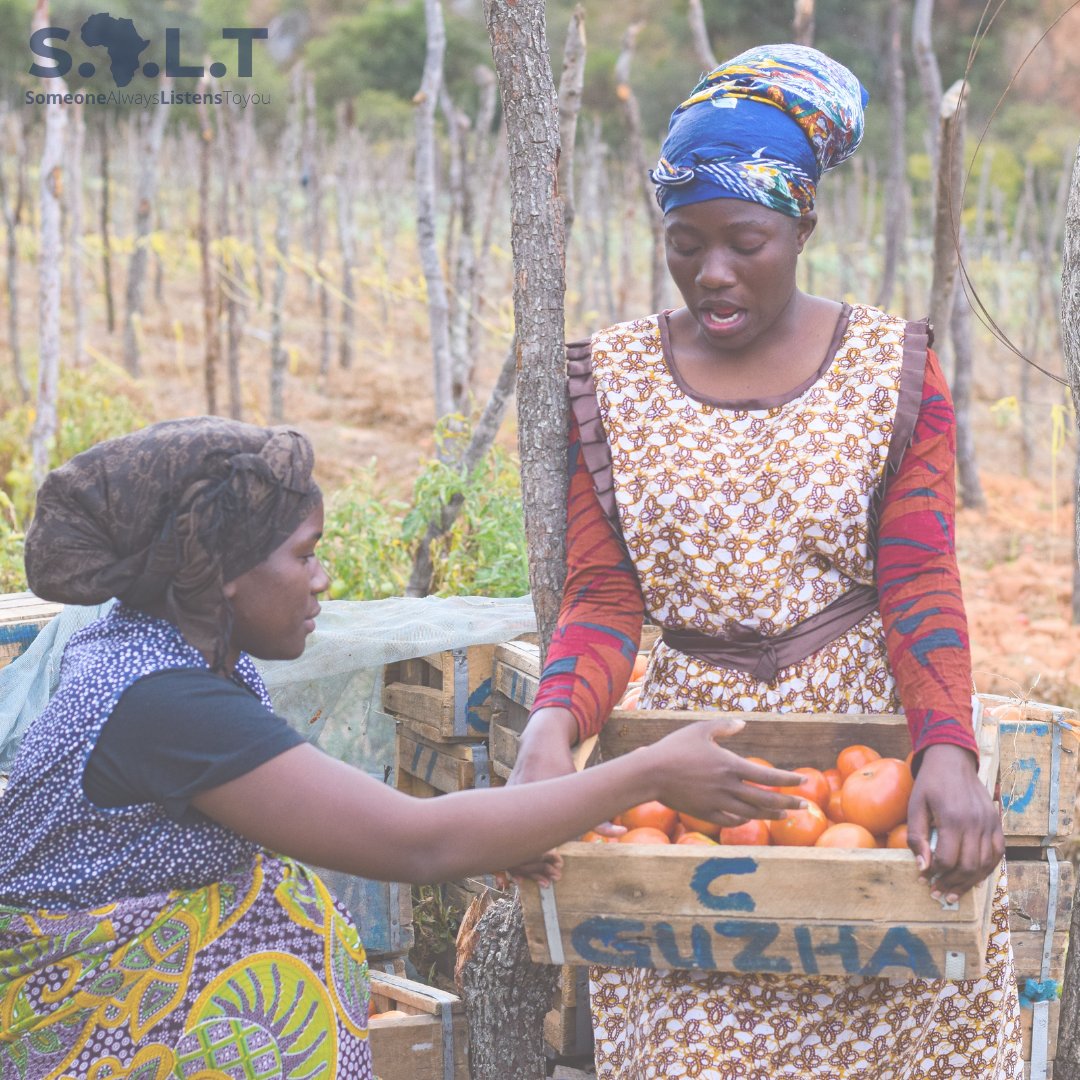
(425, 1037)
(1040, 756)
(22, 617)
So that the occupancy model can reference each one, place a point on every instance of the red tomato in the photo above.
(631, 698)
(641, 662)
(799, 828)
(595, 838)
(696, 824)
(753, 833)
(834, 779)
(678, 832)
(696, 838)
(644, 835)
(876, 796)
(897, 837)
(814, 789)
(854, 757)
(653, 815)
(846, 835)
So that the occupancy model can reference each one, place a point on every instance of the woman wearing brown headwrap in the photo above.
(146, 928)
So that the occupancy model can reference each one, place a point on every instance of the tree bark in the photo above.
(1067, 1063)
(947, 189)
(211, 329)
(506, 995)
(50, 264)
(75, 231)
(922, 47)
(346, 221)
(152, 133)
(287, 167)
(314, 174)
(699, 33)
(803, 24)
(632, 113)
(571, 84)
(10, 212)
(104, 224)
(427, 100)
(894, 198)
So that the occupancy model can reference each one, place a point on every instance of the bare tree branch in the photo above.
(699, 34)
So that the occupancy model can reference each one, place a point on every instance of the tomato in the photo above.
(854, 757)
(644, 835)
(678, 832)
(835, 810)
(814, 789)
(833, 778)
(753, 833)
(696, 838)
(846, 835)
(595, 838)
(876, 796)
(389, 1014)
(799, 828)
(696, 824)
(641, 662)
(653, 815)
(631, 698)
(897, 837)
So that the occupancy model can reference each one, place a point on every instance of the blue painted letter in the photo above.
(597, 940)
(709, 871)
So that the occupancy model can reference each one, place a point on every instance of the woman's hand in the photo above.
(701, 778)
(948, 796)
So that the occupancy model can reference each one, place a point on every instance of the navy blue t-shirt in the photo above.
(176, 733)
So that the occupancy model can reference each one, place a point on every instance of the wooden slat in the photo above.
(1029, 888)
(1028, 952)
(22, 617)
(446, 767)
(411, 1048)
(1027, 1016)
(520, 656)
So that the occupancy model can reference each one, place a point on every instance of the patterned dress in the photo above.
(136, 946)
(757, 516)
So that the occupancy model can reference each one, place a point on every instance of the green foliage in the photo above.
(93, 403)
(383, 49)
(12, 574)
(382, 115)
(369, 540)
(435, 929)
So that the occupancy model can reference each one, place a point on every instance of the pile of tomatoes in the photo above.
(859, 803)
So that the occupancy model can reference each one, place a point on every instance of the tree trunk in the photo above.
(152, 132)
(211, 329)
(967, 473)
(427, 100)
(571, 84)
(9, 210)
(1067, 1063)
(922, 47)
(948, 188)
(639, 163)
(345, 193)
(802, 28)
(699, 33)
(50, 264)
(506, 995)
(287, 168)
(314, 173)
(75, 232)
(232, 295)
(104, 224)
(894, 201)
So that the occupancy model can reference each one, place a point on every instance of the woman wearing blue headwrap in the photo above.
(770, 476)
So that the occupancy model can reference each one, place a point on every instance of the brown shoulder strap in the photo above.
(586, 410)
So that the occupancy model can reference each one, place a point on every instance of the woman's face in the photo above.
(734, 264)
(274, 604)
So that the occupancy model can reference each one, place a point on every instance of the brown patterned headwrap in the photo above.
(170, 513)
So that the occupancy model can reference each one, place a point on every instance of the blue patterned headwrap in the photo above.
(762, 127)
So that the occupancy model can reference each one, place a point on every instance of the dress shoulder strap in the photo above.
(586, 409)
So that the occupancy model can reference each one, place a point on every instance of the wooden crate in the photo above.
(22, 618)
(1040, 909)
(382, 911)
(447, 696)
(431, 1043)
(426, 767)
(1039, 768)
(568, 1026)
(774, 909)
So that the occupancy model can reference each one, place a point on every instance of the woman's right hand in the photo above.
(701, 778)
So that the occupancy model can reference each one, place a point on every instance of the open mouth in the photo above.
(721, 318)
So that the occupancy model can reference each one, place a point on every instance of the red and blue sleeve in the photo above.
(922, 608)
(592, 651)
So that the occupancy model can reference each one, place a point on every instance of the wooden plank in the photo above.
(568, 1026)
(1029, 731)
(1028, 953)
(411, 1047)
(22, 617)
(521, 656)
(1048, 1075)
(1029, 888)
(444, 766)
(449, 690)
(782, 909)
(1027, 1017)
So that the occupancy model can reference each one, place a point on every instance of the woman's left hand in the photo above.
(949, 797)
